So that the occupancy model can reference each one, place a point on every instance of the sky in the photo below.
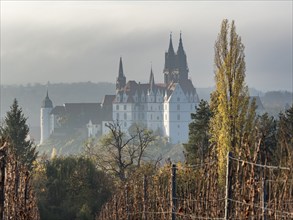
(80, 41)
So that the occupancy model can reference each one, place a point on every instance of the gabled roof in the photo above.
(58, 110)
(108, 100)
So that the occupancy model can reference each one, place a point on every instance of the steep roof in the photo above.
(47, 103)
(58, 110)
(108, 100)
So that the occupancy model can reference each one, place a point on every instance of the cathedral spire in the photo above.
(120, 68)
(171, 49)
(121, 79)
(180, 47)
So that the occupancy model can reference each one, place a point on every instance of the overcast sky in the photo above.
(73, 41)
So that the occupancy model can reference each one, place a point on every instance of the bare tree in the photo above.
(118, 151)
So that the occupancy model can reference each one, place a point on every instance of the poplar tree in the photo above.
(16, 131)
(230, 100)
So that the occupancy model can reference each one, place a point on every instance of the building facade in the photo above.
(164, 107)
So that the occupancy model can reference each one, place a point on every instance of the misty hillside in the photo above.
(30, 98)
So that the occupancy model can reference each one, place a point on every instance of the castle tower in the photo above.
(182, 62)
(46, 108)
(175, 69)
(170, 63)
(121, 79)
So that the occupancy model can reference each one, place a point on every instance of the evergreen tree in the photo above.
(285, 137)
(16, 130)
(267, 131)
(198, 141)
(230, 100)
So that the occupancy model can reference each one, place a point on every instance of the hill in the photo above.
(31, 96)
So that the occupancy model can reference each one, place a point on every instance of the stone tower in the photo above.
(46, 108)
(175, 69)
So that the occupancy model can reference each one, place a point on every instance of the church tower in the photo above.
(121, 79)
(175, 69)
(182, 62)
(46, 108)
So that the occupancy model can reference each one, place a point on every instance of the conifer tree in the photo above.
(285, 137)
(198, 141)
(16, 130)
(230, 100)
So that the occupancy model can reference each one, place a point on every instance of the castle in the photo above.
(161, 107)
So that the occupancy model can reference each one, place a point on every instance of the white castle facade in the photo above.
(162, 107)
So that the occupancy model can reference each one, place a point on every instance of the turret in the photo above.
(121, 79)
(45, 119)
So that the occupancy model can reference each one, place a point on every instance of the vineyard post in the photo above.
(116, 207)
(126, 200)
(228, 187)
(144, 197)
(173, 193)
(2, 179)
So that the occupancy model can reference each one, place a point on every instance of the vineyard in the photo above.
(17, 200)
(182, 191)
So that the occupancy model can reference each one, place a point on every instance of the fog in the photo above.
(73, 41)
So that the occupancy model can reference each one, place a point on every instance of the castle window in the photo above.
(178, 117)
(178, 99)
(178, 107)
(151, 116)
(124, 107)
(117, 116)
(117, 107)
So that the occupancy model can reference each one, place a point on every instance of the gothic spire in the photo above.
(171, 49)
(121, 79)
(180, 47)
(120, 68)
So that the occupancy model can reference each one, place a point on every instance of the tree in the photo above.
(230, 101)
(285, 137)
(267, 131)
(17, 131)
(71, 188)
(118, 152)
(198, 141)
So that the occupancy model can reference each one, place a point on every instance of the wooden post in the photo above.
(265, 197)
(145, 197)
(228, 187)
(2, 179)
(173, 193)
(126, 200)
